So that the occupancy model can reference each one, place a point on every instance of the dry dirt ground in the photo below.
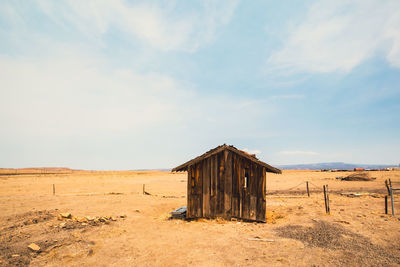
(297, 232)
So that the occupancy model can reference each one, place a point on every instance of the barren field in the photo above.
(135, 229)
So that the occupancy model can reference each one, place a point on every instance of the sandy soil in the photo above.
(356, 233)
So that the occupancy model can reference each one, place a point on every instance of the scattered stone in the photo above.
(76, 235)
(81, 219)
(34, 247)
(63, 224)
(113, 219)
(66, 215)
(15, 255)
(123, 216)
(90, 218)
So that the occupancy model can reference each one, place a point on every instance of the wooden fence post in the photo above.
(327, 200)
(326, 207)
(391, 196)
(308, 190)
(386, 206)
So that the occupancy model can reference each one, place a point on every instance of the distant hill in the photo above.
(333, 165)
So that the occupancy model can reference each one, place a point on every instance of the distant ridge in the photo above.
(333, 165)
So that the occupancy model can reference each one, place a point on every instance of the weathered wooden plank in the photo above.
(264, 193)
(193, 197)
(241, 174)
(247, 204)
(206, 187)
(253, 192)
(259, 214)
(235, 186)
(246, 192)
(228, 184)
(213, 186)
(200, 190)
(189, 193)
(220, 191)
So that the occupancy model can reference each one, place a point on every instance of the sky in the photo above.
(128, 85)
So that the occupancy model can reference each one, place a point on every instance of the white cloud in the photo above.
(74, 93)
(340, 35)
(64, 96)
(305, 153)
(158, 25)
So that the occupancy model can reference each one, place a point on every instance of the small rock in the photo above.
(84, 224)
(102, 219)
(81, 219)
(136, 211)
(66, 215)
(89, 218)
(123, 216)
(62, 225)
(34, 247)
(90, 253)
(15, 255)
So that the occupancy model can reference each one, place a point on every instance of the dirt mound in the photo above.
(359, 176)
(329, 236)
(44, 229)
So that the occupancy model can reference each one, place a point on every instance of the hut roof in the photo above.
(223, 147)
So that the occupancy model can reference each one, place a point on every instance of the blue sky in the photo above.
(151, 84)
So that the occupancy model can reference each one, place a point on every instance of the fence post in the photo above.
(327, 200)
(308, 190)
(391, 196)
(326, 207)
(386, 206)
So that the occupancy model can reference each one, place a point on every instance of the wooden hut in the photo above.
(226, 182)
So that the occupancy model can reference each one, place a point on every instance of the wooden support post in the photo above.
(326, 207)
(391, 196)
(308, 190)
(54, 189)
(386, 206)
(327, 200)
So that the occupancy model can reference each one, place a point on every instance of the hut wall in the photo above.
(216, 188)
